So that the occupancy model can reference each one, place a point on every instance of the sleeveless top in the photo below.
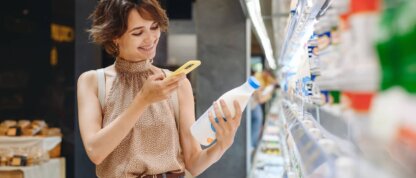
(152, 146)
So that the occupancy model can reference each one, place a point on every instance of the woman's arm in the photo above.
(196, 159)
(99, 142)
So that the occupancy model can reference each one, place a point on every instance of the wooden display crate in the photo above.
(12, 174)
(56, 151)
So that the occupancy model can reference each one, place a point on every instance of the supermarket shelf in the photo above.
(301, 18)
(329, 118)
(311, 154)
(327, 140)
(332, 122)
(366, 158)
(268, 160)
(307, 156)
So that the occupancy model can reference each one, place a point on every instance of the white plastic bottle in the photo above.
(202, 129)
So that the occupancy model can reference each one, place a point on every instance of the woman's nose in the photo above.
(149, 37)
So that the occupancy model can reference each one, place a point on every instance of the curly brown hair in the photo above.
(109, 20)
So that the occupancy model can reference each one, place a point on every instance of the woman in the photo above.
(127, 116)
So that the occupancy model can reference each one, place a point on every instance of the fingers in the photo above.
(159, 76)
(176, 83)
(166, 91)
(172, 83)
(218, 113)
(225, 130)
(226, 125)
(169, 84)
(227, 114)
(238, 113)
(175, 79)
(169, 89)
(225, 109)
(237, 108)
(217, 128)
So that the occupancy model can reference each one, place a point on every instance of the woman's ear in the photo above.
(115, 41)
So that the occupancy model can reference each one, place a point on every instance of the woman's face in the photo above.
(140, 40)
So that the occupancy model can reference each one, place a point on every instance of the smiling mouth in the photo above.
(149, 48)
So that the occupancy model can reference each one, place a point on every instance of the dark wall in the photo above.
(25, 72)
(31, 87)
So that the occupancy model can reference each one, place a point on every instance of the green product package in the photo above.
(396, 45)
(336, 96)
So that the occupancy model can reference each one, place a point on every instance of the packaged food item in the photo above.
(3, 130)
(23, 124)
(54, 132)
(9, 123)
(18, 160)
(14, 131)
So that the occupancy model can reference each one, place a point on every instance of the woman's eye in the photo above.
(155, 27)
(137, 34)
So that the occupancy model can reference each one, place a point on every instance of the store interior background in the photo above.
(44, 48)
(40, 66)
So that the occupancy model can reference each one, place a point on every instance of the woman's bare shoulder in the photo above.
(87, 82)
(91, 75)
(87, 77)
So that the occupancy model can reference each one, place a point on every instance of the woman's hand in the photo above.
(156, 88)
(225, 129)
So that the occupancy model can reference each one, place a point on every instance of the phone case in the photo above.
(186, 68)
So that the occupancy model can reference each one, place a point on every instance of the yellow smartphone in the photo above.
(186, 68)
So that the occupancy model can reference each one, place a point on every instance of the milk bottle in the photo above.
(202, 129)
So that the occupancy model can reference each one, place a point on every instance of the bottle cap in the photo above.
(253, 82)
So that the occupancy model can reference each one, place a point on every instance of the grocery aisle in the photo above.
(347, 99)
(268, 159)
